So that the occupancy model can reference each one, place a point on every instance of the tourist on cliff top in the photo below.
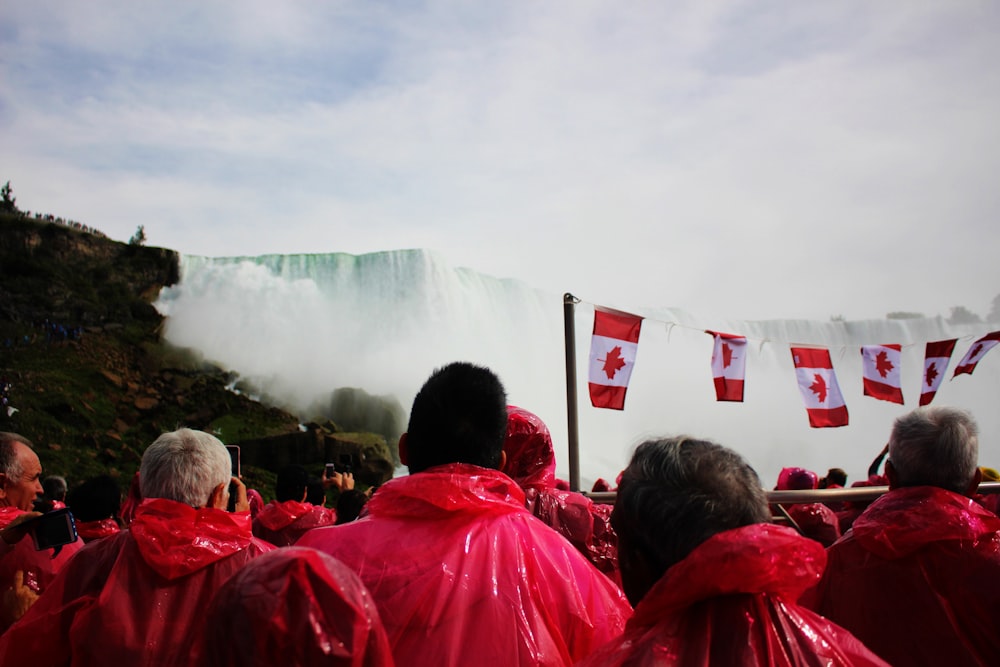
(138, 597)
(531, 462)
(917, 578)
(294, 607)
(25, 573)
(95, 505)
(712, 581)
(461, 571)
(287, 518)
(814, 520)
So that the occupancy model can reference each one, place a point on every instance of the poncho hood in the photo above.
(276, 516)
(445, 490)
(175, 539)
(531, 460)
(760, 558)
(905, 520)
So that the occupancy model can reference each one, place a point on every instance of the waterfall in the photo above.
(300, 326)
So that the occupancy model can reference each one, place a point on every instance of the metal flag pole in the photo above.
(573, 432)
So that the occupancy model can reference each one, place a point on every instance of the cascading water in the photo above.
(300, 326)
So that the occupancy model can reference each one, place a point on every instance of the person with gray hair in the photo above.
(712, 580)
(917, 577)
(137, 595)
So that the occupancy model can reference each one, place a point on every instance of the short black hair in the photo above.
(97, 498)
(349, 505)
(458, 416)
(291, 484)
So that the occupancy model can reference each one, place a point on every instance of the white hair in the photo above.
(935, 446)
(186, 466)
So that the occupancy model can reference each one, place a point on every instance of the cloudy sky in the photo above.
(751, 159)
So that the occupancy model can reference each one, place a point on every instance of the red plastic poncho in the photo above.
(138, 597)
(95, 530)
(294, 607)
(918, 579)
(732, 602)
(463, 574)
(531, 462)
(39, 567)
(282, 524)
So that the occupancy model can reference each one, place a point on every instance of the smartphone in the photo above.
(234, 459)
(52, 530)
(330, 469)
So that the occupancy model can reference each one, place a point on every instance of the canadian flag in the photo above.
(977, 352)
(729, 365)
(818, 384)
(935, 364)
(880, 368)
(612, 356)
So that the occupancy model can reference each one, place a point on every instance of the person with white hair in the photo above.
(917, 578)
(137, 597)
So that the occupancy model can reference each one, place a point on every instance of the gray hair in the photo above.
(10, 462)
(935, 446)
(54, 487)
(186, 466)
(678, 492)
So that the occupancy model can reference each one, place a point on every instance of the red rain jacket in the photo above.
(138, 597)
(282, 524)
(95, 530)
(463, 574)
(918, 579)
(39, 567)
(294, 607)
(531, 462)
(816, 521)
(732, 602)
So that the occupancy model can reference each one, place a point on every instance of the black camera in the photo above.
(52, 530)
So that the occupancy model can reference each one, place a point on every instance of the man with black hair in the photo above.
(461, 572)
(289, 516)
(712, 580)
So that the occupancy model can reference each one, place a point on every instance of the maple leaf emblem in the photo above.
(882, 363)
(613, 362)
(931, 373)
(727, 355)
(818, 387)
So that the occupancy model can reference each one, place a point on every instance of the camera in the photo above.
(52, 530)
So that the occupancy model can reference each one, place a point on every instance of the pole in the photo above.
(573, 432)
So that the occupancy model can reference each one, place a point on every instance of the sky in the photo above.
(755, 160)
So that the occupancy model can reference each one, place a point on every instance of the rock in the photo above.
(145, 403)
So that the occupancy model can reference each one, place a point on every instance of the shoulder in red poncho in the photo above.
(39, 568)
(918, 579)
(732, 602)
(283, 523)
(463, 574)
(137, 597)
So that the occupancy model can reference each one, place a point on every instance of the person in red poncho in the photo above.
(814, 520)
(138, 597)
(294, 607)
(95, 505)
(24, 572)
(917, 578)
(531, 462)
(713, 583)
(287, 518)
(461, 571)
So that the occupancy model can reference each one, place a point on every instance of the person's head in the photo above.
(458, 416)
(292, 483)
(54, 488)
(834, 477)
(934, 446)
(797, 479)
(349, 505)
(531, 459)
(315, 491)
(674, 495)
(97, 498)
(187, 466)
(20, 472)
(294, 606)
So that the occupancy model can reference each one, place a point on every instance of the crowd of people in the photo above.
(480, 556)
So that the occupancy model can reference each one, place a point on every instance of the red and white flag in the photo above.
(612, 356)
(977, 352)
(729, 363)
(880, 368)
(935, 364)
(819, 388)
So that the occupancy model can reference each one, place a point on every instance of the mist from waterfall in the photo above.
(300, 326)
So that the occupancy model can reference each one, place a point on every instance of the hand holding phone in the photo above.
(52, 530)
